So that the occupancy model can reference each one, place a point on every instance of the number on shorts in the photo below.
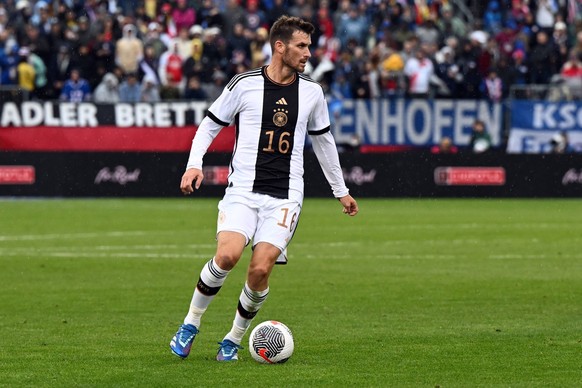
(283, 223)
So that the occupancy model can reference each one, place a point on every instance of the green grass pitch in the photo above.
(410, 293)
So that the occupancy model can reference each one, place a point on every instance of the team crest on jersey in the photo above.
(280, 117)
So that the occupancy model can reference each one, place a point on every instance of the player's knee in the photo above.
(258, 275)
(226, 260)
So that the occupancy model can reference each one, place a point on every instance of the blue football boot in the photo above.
(182, 341)
(228, 351)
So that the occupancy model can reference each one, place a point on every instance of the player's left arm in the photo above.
(326, 152)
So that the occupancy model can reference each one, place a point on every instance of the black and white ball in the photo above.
(271, 342)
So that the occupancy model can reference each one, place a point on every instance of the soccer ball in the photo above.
(271, 342)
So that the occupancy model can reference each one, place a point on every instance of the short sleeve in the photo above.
(225, 108)
(319, 122)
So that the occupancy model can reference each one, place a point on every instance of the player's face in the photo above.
(297, 52)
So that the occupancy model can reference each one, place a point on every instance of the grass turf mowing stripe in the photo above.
(409, 293)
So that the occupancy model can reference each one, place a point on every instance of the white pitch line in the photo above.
(65, 236)
(57, 236)
(112, 255)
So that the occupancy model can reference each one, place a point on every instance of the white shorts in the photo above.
(260, 218)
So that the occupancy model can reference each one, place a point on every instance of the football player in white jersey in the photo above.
(273, 108)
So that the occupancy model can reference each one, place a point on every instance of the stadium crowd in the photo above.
(149, 50)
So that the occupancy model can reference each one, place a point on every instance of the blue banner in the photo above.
(545, 127)
(413, 122)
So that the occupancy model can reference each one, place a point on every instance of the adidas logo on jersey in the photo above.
(281, 101)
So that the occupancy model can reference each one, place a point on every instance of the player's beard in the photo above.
(295, 65)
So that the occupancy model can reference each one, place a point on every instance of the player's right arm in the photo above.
(193, 177)
(220, 114)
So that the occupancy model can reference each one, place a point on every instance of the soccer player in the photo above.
(273, 108)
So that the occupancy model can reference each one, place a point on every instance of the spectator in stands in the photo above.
(238, 43)
(340, 88)
(129, 50)
(571, 73)
(320, 67)
(215, 87)
(76, 89)
(194, 90)
(559, 143)
(546, 15)
(392, 78)
(41, 16)
(450, 24)
(492, 20)
(36, 42)
(445, 146)
(577, 46)
(84, 60)
(519, 11)
(215, 52)
(419, 70)
(150, 64)
(183, 16)
(520, 69)
(377, 28)
(468, 70)
(150, 91)
(104, 51)
(429, 35)
(325, 25)
(183, 42)
(365, 82)
(8, 60)
(560, 43)
(130, 89)
(492, 86)
(86, 36)
(353, 28)
(154, 40)
(506, 38)
(194, 64)
(277, 10)
(448, 71)
(480, 139)
(236, 15)
(209, 15)
(107, 92)
(504, 71)
(40, 76)
(254, 16)
(542, 60)
(167, 23)
(171, 74)
(59, 70)
(260, 48)
(25, 71)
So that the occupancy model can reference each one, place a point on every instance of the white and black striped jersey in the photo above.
(271, 121)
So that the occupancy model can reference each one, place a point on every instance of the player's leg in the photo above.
(275, 229)
(236, 223)
(252, 297)
(230, 246)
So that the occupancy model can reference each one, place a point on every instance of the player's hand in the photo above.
(192, 176)
(350, 205)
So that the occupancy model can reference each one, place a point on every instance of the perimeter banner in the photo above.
(87, 114)
(535, 123)
(386, 122)
(143, 174)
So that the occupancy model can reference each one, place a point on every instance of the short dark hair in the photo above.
(285, 26)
